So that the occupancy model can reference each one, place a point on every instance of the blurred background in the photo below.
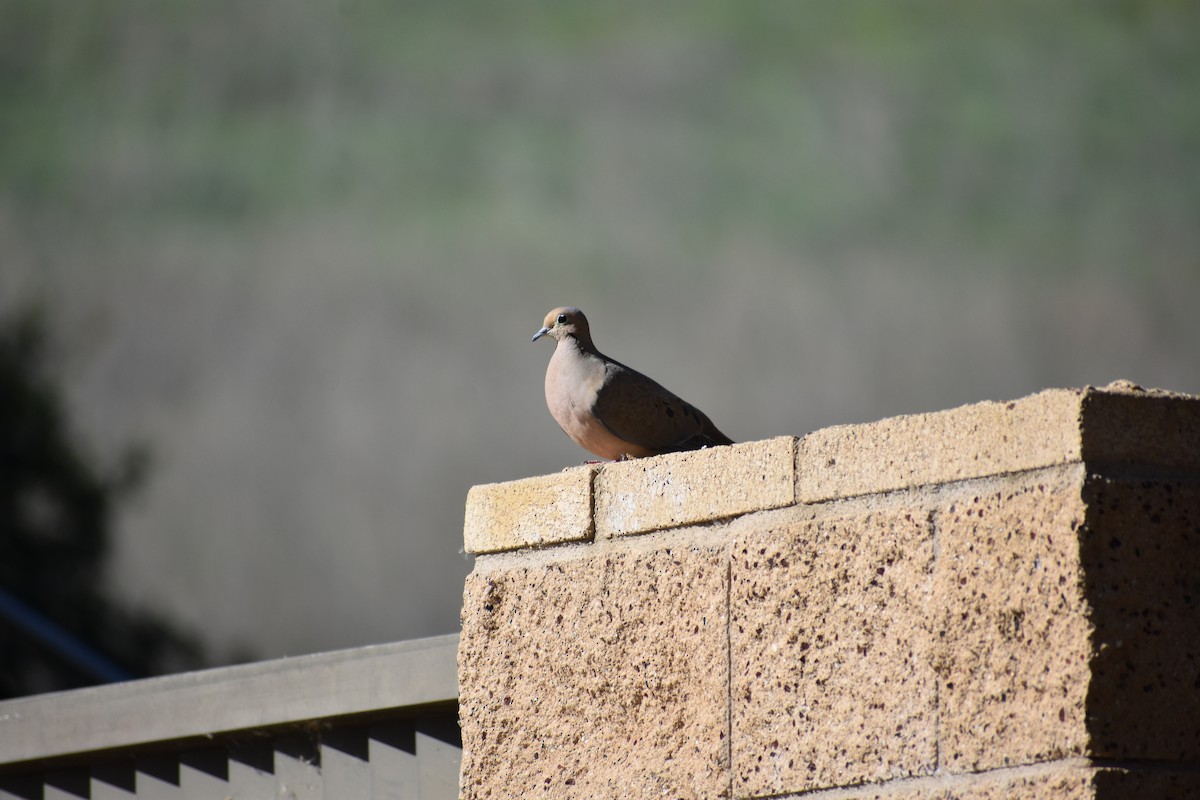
(274, 266)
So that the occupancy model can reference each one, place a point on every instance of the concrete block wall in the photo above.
(1000, 600)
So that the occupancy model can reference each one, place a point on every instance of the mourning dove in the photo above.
(612, 410)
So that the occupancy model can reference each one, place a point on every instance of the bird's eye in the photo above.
(562, 319)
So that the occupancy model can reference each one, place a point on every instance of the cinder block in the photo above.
(1125, 424)
(833, 683)
(922, 449)
(1116, 424)
(1064, 780)
(1141, 547)
(1160, 783)
(686, 488)
(1012, 623)
(604, 676)
(549, 509)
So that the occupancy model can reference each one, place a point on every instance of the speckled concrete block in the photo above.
(687, 488)
(1157, 781)
(548, 509)
(922, 449)
(1141, 545)
(1117, 424)
(1125, 424)
(1062, 783)
(1075, 779)
(604, 676)
(832, 677)
(1014, 638)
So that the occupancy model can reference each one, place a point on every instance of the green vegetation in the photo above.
(1057, 135)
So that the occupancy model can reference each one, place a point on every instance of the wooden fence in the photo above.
(371, 722)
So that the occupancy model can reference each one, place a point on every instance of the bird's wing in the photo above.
(642, 412)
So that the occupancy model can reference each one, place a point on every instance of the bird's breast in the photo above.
(573, 380)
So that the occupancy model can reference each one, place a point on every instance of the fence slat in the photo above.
(298, 768)
(439, 753)
(395, 773)
(158, 778)
(345, 766)
(20, 787)
(252, 770)
(113, 780)
(204, 774)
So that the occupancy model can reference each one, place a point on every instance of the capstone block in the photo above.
(677, 489)
(922, 449)
(545, 510)
(1125, 424)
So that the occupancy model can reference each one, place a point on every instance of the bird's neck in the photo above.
(583, 344)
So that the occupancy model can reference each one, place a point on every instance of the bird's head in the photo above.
(565, 321)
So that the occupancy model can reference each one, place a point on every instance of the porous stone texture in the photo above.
(548, 509)
(603, 676)
(1126, 424)
(830, 641)
(1076, 779)
(1141, 544)
(1012, 627)
(1141, 784)
(686, 488)
(922, 449)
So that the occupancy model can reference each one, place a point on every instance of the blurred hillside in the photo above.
(299, 248)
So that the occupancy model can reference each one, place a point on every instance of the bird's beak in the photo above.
(540, 334)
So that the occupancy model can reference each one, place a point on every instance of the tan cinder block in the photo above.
(1140, 784)
(1012, 625)
(968, 442)
(1118, 423)
(604, 676)
(832, 676)
(1141, 546)
(1122, 423)
(549, 509)
(1063, 781)
(686, 488)
(1063, 784)
(1074, 779)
